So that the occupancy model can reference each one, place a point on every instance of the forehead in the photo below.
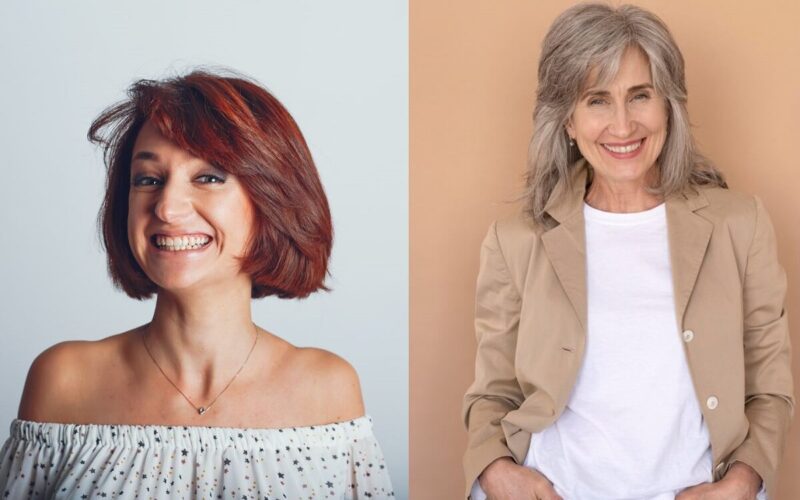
(631, 68)
(151, 144)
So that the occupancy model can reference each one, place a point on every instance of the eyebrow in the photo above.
(631, 90)
(145, 155)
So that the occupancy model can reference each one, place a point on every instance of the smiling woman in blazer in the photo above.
(632, 339)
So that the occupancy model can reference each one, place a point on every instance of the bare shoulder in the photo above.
(327, 367)
(53, 380)
(328, 384)
(58, 379)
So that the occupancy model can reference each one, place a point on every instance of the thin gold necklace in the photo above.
(200, 409)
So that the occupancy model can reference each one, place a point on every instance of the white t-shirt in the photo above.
(632, 428)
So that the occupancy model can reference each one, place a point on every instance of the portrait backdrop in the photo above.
(472, 91)
(340, 68)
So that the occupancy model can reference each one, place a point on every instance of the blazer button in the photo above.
(688, 335)
(712, 402)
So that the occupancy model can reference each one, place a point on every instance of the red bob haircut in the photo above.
(237, 126)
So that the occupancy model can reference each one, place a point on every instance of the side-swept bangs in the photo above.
(237, 126)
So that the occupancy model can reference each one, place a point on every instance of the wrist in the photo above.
(493, 469)
(744, 477)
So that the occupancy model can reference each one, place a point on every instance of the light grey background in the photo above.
(341, 68)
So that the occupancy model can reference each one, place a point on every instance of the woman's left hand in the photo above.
(741, 482)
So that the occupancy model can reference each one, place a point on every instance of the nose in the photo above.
(173, 203)
(621, 124)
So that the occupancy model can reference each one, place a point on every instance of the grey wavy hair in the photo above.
(594, 35)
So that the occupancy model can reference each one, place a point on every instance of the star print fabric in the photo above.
(44, 460)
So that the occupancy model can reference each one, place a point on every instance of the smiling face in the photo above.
(188, 222)
(620, 127)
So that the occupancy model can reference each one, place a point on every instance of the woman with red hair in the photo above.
(212, 199)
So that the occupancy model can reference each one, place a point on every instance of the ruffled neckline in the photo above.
(148, 436)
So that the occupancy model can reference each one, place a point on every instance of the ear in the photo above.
(570, 129)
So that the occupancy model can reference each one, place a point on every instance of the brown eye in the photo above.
(211, 179)
(145, 180)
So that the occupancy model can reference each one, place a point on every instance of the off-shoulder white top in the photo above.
(45, 460)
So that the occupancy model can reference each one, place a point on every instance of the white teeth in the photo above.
(178, 243)
(623, 149)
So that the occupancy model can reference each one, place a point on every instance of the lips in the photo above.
(624, 150)
(179, 243)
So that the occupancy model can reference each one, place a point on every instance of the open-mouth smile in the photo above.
(625, 150)
(180, 243)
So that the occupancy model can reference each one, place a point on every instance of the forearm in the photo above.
(495, 391)
(769, 387)
(769, 417)
(486, 441)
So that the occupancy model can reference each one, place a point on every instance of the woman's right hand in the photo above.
(504, 479)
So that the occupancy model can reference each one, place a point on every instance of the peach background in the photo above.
(473, 78)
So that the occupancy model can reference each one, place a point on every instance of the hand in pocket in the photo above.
(504, 479)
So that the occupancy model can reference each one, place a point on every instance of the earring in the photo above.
(571, 142)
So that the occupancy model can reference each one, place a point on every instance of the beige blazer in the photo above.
(530, 321)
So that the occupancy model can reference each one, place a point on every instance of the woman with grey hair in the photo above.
(632, 339)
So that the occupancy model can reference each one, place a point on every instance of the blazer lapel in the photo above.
(565, 244)
(689, 235)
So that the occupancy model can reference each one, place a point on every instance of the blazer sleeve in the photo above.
(769, 400)
(495, 390)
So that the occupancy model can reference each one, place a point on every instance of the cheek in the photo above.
(247, 222)
(236, 218)
(588, 127)
(135, 220)
(137, 224)
(136, 239)
(659, 128)
(656, 118)
(245, 212)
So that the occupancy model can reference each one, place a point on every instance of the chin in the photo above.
(176, 284)
(632, 174)
(624, 171)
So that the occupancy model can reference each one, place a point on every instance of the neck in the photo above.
(200, 336)
(622, 197)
